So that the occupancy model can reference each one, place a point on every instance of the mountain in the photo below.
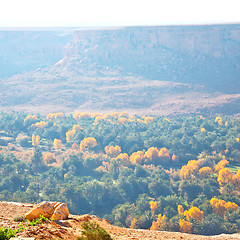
(25, 49)
(161, 70)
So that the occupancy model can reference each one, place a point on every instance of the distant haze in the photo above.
(17, 13)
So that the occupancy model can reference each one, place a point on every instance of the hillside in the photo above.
(71, 228)
(159, 70)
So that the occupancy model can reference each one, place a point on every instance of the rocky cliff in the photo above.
(152, 69)
(208, 54)
(26, 49)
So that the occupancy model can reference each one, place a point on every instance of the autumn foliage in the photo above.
(180, 210)
(194, 213)
(221, 207)
(225, 176)
(112, 151)
(185, 226)
(57, 144)
(190, 169)
(35, 140)
(88, 143)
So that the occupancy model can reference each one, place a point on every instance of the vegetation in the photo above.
(7, 233)
(179, 174)
(37, 221)
(92, 231)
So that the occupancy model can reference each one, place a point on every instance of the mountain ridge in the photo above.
(125, 69)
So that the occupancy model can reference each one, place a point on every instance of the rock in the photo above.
(61, 212)
(21, 238)
(85, 217)
(45, 209)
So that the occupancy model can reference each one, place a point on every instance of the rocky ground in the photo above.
(71, 228)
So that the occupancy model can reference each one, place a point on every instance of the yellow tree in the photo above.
(225, 177)
(163, 154)
(194, 213)
(155, 226)
(180, 210)
(205, 172)
(222, 164)
(231, 205)
(152, 153)
(133, 223)
(190, 169)
(185, 226)
(184, 172)
(113, 151)
(87, 143)
(124, 159)
(31, 117)
(39, 125)
(70, 135)
(220, 207)
(159, 224)
(35, 140)
(49, 158)
(137, 157)
(57, 144)
(77, 128)
(153, 206)
(148, 119)
(161, 220)
(123, 120)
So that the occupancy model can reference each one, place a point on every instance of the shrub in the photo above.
(6, 233)
(92, 231)
(19, 219)
(38, 221)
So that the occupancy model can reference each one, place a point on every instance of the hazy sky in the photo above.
(116, 12)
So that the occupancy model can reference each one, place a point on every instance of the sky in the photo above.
(41, 13)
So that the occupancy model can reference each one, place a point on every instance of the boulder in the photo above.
(85, 217)
(61, 212)
(45, 209)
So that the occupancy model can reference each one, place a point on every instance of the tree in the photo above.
(87, 143)
(225, 177)
(205, 172)
(190, 169)
(153, 206)
(70, 135)
(221, 207)
(194, 213)
(113, 151)
(137, 157)
(49, 158)
(124, 159)
(57, 144)
(180, 210)
(35, 140)
(155, 226)
(222, 164)
(152, 154)
(185, 226)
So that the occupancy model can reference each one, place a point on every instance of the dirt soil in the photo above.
(71, 228)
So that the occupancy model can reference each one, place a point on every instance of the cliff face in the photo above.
(215, 40)
(25, 50)
(158, 70)
(192, 54)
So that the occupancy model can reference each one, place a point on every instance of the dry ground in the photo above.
(71, 228)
